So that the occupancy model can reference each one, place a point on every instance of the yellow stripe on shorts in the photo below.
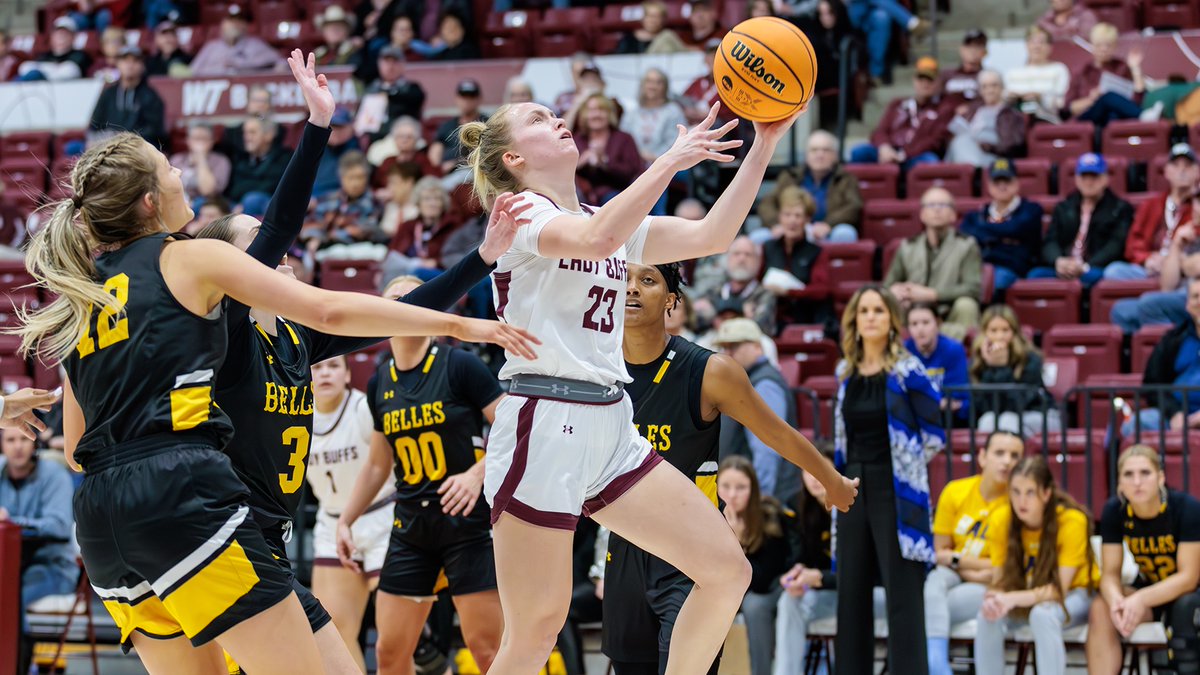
(212, 590)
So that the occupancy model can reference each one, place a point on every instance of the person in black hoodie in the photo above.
(1174, 361)
(1089, 227)
(130, 104)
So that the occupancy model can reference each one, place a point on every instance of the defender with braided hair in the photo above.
(139, 324)
(563, 441)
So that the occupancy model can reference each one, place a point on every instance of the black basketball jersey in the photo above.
(666, 410)
(271, 406)
(433, 430)
(145, 366)
(1154, 543)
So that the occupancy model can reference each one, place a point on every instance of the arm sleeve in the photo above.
(471, 380)
(441, 293)
(372, 393)
(54, 499)
(847, 208)
(880, 135)
(955, 374)
(1110, 522)
(766, 461)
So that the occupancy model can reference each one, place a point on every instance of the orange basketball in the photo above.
(765, 69)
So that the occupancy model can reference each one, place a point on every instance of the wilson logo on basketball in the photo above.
(727, 83)
(744, 55)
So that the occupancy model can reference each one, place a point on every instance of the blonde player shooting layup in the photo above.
(162, 519)
(563, 442)
(340, 449)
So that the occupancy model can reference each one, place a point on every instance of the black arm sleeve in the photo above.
(372, 392)
(1110, 522)
(441, 293)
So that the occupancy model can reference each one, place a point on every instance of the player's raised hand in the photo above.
(702, 142)
(514, 340)
(841, 494)
(19, 407)
(502, 226)
(773, 132)
(314, 87)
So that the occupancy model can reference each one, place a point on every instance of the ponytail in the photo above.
(486, 143)
(109, 182)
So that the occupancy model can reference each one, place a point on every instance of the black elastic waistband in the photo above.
(567, 391)
(141, 448)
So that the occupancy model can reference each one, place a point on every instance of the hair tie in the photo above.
(77, 201)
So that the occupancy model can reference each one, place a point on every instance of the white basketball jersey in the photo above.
(341, 447)
(575, 307)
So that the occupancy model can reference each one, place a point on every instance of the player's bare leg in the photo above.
(482, 625)
(400, 621)
(275, 641)
(177, 656)
(344, 594)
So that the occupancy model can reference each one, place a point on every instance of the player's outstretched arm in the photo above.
(728, 389)
(672, 239)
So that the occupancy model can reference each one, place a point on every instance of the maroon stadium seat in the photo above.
(1143, 345)
(1059, 374)
(958, 179)
(1135, 140)
(851, 261)
(1097, 346)
(1071, 469)
(362, 366)
(1120, 13)
(26, 146)
(1169, 14)
(825, 387)
(887, 219)
(1060, 142)
(1033, 174)
(1107, 292)
(1043, 303)
(1101, 402)
(349, 275)
(875, 181)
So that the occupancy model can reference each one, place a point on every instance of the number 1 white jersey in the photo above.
(341, 447)
(575, 307)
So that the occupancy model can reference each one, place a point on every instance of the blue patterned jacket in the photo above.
(916, 434)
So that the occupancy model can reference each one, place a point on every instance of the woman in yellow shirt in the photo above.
(1043, 563)
(954, 589)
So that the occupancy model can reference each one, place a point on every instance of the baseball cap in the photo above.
(468, 88)
(975, 37)
(341, 117)
(1181, 150)
(734, 331)
(730, 304)
(1090, 162)
(65, 23)
(165, 26)
(391, 52)
(590, 67)
(1001, 168)
(927, 66)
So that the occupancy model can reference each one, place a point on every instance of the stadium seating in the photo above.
(825, 388)
(1136, 141)
(1061, 142)
(1096, 347)
(1107, 292)
(1069, 453)
(1119, 13)
(1118, 175)
(958, 179)
(887, 219)
(1168, 14)
(851, 261)
(349, 275)
(1043, 303)
(1143, 345)
(875, 181)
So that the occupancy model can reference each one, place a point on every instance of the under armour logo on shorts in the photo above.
(568, 430)
(560, 389)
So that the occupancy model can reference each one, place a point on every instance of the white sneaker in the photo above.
(1153, 113)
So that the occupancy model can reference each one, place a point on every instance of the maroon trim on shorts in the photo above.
(520, 458)
(525, 512)
(621, 484)
(503, 280)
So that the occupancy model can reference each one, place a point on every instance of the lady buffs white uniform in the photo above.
(563, 441)
(341, 446)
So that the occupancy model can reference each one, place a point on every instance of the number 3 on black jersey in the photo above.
(299, 437)
(109, 329)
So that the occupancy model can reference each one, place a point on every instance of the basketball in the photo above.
(765, 69)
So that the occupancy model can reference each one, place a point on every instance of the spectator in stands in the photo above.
(454, 41)
(962, 84)
(518, 90)
(944, 358)
(401, 145)
(374, 20)
(955, 588)
(404, 97)
(349, 215)
(987, 127)
(742, 264)
(341, 142)
(13, 226)
(1002, 355)
(204, 171)
(1066, 19)
(1052, 572)
(912, 130)
(1090, 99)
(89, 15)
(742, 340)
(1169, 304)
(1162, 526)
(766, 532)
(590, 82)
(1039, 87)
(701, 94)
(1174, 361)
(838, 202)
(446, 152)
(794, 262)
(8, 60)
(652, 35)
(260, 165)
(727, 310)
(63, 61)
(1008, 228)
(1088, 229)
(112, 41)
(258, 104)
(581, 65)
(1154, 224)
(653, 123)
(418, 242)
(399, 205)
(210, 209)
(608, 157)
(168, 57)
(35, 495)
(757, 8)
(130, 103)
(235, 51)
(337, 48)
(826, 30)
(702, 25)
(940, 265)
(875, 19)
(401, 36)
(887, 427)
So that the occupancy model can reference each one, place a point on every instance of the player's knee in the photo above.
(394, 649)
(1046, 618)
(1098, 618)
(484, 642)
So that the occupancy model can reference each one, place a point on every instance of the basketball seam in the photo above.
(811, 50)
(734, 69)
(799, 82)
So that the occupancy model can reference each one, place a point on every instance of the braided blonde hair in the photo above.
(108, 184)
(487, 142)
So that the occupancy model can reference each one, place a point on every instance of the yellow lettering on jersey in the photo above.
(283, 399)
(439, 415)
(427, 414)
(1151, 545)
(292, 409)
(659, 436)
